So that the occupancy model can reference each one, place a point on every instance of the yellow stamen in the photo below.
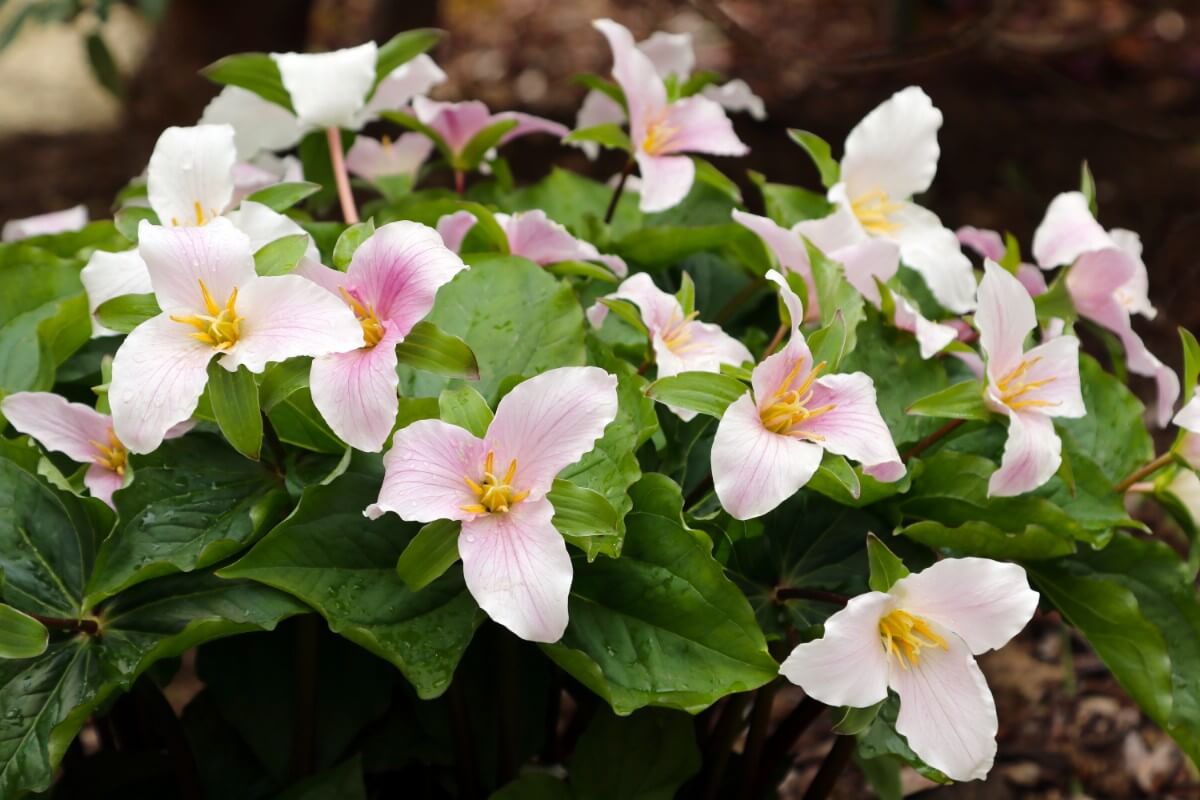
(678, 333)
(386, 141)
(111, 456)
(495, 494)
(199, 213)
(371, 326)
(658, 136)
(903, 635)
(220, 327)
(1013, 388)
(874, 210)
(788, 409)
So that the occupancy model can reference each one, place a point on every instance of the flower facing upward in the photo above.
(514, 561)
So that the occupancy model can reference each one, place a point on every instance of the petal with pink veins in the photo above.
(425, 473)
(658, 309)
(456, 123)
(853, 427)
(788, 248)
(1067, 231)
(533, 235)
(329, 89)
(67, 428)
(699, 125)
(894, 148)
(178, 259)
(108, 275)
(634, 72)
(848, 665)
(102, 482)
(1032, 454)
(1005, 317)
(372, 159)
(355, 392)
(1055, 365)
(189, 180)
(453, 228)
(666, 180)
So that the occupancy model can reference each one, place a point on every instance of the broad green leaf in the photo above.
(787, 205)
(234, 400)
(665, 245)
(712, 176)
(822, 157)
(836, 479)
(402, 48)
(282, 196)
(853, 721)
(1113, 432)
(885, 567)
(21, 636)
(485, 223)
(432, 552)
(656, 751)
(602, 85)
(698, 81)
(983, 539)
(483, 141)
(123, 314)
(706, 392)
(608, 135)
(256, 72)
(828, 344)
(350, 240)
(128, 219)
(355, 586)
(836, 295)
(297, 421)
(661, 625)
(962, 400)
(582, 269)
(882, 740)
(466, 408)
(282, 379)
(583, 514)
(1055, 302)
(575, 201)
(428, 347)
(282, 255)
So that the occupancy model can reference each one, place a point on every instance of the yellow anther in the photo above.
(658, 136)
(495, 494)
(789, 408)
(113, 455)
(386, 141)
(199, 213)
(220, 327)
(903, 635)
(874, 210)
(1013, 388)
(678, 333)
(371, 326)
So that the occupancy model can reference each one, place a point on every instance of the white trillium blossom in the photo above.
(662, 131)
(531, 235)
(1029, 387)
(864, 261)
(1107, 282)
(515, 562)
(259, 125)
(107, 275)
(69, 219)
(891, 155)
(770, 441)
(213, 305)
(920, 639)
(681, 343)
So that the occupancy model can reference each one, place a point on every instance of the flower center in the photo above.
(495, 494)
(200, 218)
(874, 210)
(904, 635)
(111, 456)
(789, 409)
(371, 326)
(220, 327)
(658, 136)
(1013, 387)
(678, 332)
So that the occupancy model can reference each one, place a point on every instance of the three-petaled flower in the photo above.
(515, 562)
(456, 124)
(531, 235)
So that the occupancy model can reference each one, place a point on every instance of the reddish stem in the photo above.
(345, 196)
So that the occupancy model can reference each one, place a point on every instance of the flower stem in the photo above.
(756, 737)
(86, 625)
(831, 768)
(345, 196)
(789, 731)
(1145, 471)
(776, 339)
(460, 181)
(616, 195)
(720, 742)
(932, 439)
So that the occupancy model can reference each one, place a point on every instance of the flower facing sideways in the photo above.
(69, 219)
(532, 235)
(515, 562)
(213, 305)
(920, 639)
(770, 441)
(390, 285)
(372, 159)
(1030, 388)
(458, 123)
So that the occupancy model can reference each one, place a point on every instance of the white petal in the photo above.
(848, 665)
(356, 392)
(933, 250)
(666, 180)
(426, 471)
(894, 148)
(1005, 317)
(263, 225)
(1032, 454)
(410, 79)
(1067, 231)
(597, 109)
(69, 219)
(190, 177)
(108, 275)
(670, 53)
(736, 95)
(178, 259)
(328, 89)
(932, 337)
(258, 125)
(1189, 416)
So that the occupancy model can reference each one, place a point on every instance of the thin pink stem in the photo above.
(349, 210)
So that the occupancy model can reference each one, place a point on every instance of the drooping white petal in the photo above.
(102, 482)
(409, 80)
(597, 109)
(328, 89)
(1134, 295)
(356, 392)
(1032, 454)
(190, 177)
(666, 180)
(1005, 317)
(372, 159)
(932, 249)
(258, 125)
(178, 259)
(108, 275)
(736, 95)
(69, 219)
(932, 337)
(894, 148)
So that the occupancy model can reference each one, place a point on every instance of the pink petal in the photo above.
(1067, 231)
(708, 344)
(453, 228)
(788, 248)
(946, 711)
(754, 469)
(1005, 317)
(769, 376)
(894, 148)
(1099, 274)
(189, 180)
(1032, 454)
(1032, 279)
(527, 124)
(108, 275)
(69, 219)
(356, 392)
(666, 180)
(658, 309)
(259, 125)
(1188, 417)
(1134, 294)
(67, 428)
(699, 125)
(517, 568)
(102, 482)
(1057, 363)
(853, 427)
(847, 666)
(550, 421)
(425, 473)
(867, 262)
(371, 159)
(400, 269)
(535, 236)
(332, 280)
(178, 259)
(158, 375)
(988, 244)
(456, 123)
(986, 603)
(597, 109)
(288, 316)
(645, 94)
(932, 338)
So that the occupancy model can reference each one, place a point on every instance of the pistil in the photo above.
(495, 494)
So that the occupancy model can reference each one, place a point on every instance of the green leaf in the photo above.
(533, 786)
(282, 196)
(828, 344)
(402, 48)
(104, 67)
(582, 269)
(428, 347)
(882, 740)
(1113, 432)
(1087, 185)
(413, 124)
(608, 135)
(282, 255)
(350, 240)
(787, 205)
(602, 85)
(853, 721)
(466, 408)
(836, 295)
(298, 422)
(665, 245)
(836, 479)
(885, 567)
(1012, 254)
(487, 225)
(355, 586)
(256, 72)
(962, 400)
(21, 636)
(985, 540)
(709, 174)
(234, 399)
(686, 294)
(481, 143)
(822, 157)
(344, 782)
(1191, 361)
(123, 314)
(128, 219)
(432, 552)
(695, 642)
(1055, 302)
(582, 514)
(656, 751)
(706, 392)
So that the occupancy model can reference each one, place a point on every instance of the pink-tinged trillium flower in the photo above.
(662, 131)
(989, 244)
(531, 235)
(372, 159)
(213, 305)
(770, 441)
(1107, 282)
(82, 434)
(69, 219)
(681, 343)
(515, 562)
(864, 260)
(1030, 388)
(890, 156)
(920, 639)
(390, 286)
(458, 123)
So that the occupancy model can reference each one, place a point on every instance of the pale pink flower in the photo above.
(372, 158)
(514, 561)
(920, 639)
(458, 123)
(69, 219)
(531, 235)
(771, 440)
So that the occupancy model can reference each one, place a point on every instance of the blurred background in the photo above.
(1029, 88)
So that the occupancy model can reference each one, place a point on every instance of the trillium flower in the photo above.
(390, 286)
(531, 235)
(372, 159)
(108, 275)
(514, 561)
(82, 434)
(920, 639)
(989, 245)
(890, 156)
(456, 124)
(770, 441)
(213, 305)
(1030, 388)
(680, 342)
(864, 261)
(1107, 283)
(69, 219)
(662, 131)
(259, 125)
